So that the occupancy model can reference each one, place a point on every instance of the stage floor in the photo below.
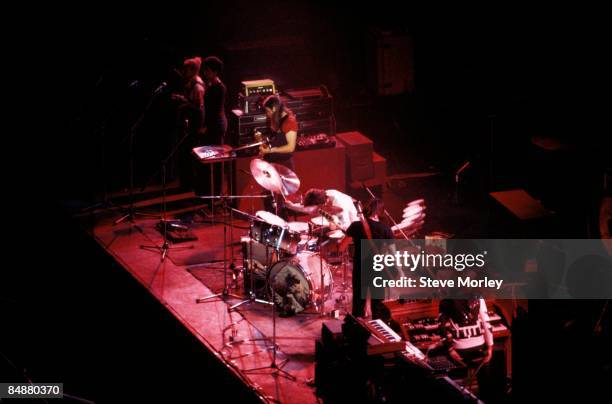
(174, 284)
(189, 274)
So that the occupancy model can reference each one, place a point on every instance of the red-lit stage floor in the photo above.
(184, 276)
(173, 283)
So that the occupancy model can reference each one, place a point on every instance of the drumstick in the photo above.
(412, 215)
(413, 209)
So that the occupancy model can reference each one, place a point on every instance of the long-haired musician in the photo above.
(190, 116)
(283, 128)
(279, 149)
(215, 121)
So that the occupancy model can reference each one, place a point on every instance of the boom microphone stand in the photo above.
(225, 291)
(165, 247)
(225, 198)
(131, 212)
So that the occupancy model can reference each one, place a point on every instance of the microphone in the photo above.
(460, 170)
(463, 167)
(134, 83)
(161, 87)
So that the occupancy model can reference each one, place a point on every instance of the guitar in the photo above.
(259, 140)
(332, 218)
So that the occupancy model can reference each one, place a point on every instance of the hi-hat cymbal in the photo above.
(291, 182)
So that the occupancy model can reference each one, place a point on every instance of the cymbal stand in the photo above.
(225, 293)
(165, 247)
(276, 368)
(251, 298)
(322, 284)
(131, 212)
(344, 286)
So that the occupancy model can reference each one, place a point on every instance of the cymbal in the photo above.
(274, 177)
(246, 215)
(291, 182)
(271, 218)
(266, 175)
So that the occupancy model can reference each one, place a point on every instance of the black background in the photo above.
(66, 305)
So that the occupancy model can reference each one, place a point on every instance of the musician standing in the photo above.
(283, 127)
(368, 227)
(191, 95)
(466, 333)
(190, 116)
(215, 123)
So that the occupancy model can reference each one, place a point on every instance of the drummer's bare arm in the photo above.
(311, 210)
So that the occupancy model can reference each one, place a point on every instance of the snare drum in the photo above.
(320, 221)
(308, 244)
(299, 227)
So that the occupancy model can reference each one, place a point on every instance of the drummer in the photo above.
(316, 199)
(283, 126)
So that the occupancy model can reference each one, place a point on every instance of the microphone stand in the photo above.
(252, 296)
(457, 178)
(176, 147)
(276, 368)
(105, 203)
(225, 292)
(322, 285)
(165, 247)
(100, 131)
(131, 213)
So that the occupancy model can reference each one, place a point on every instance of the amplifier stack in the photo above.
(251, 94)
(313, 108)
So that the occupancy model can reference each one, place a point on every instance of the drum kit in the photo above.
(284, 261)
(285, 264)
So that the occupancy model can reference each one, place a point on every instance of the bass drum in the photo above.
(296, 283)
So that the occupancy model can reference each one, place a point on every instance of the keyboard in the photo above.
(442, 364)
